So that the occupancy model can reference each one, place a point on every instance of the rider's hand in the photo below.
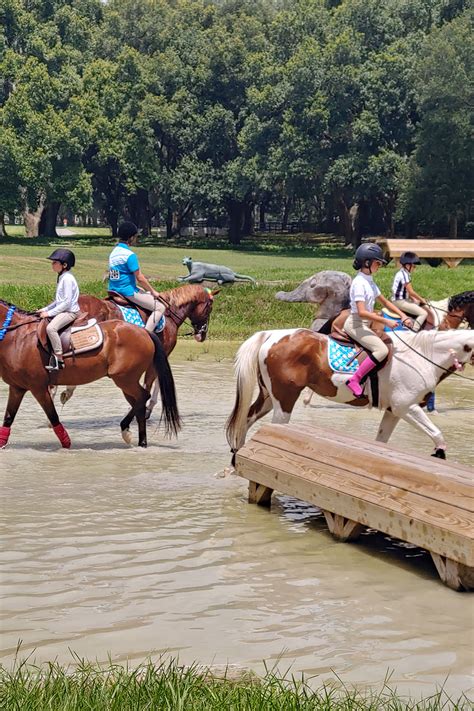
(392, 324)
(155, 294)
(42, 313)
(407, 322)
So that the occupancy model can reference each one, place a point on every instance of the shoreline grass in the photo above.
(169, 685)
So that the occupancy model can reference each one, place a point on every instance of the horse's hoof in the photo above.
(439, 453)
(127, 436)
(143, 444)
(64, 397)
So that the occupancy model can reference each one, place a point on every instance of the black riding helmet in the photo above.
(409, 258)
(65, 256)
(366, 254)
(126, 231)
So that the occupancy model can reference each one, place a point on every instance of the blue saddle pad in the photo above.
(131, 315)
(339, 357)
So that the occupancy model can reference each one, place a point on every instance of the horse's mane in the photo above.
(459, 300)
(183, 294)
(17, 308)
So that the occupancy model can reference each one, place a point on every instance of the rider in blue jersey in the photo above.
(124, 273)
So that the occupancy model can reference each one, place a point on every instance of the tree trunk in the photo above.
(3, 232)
(49, 217)
(235, 210)
(354, 215)
(453, 227)
(248, 219)
(139, 210)
(32, 218)
(261, 216)
(286, 212)
(346, 222)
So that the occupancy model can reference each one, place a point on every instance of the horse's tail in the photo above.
(246, 370)
(169, 412)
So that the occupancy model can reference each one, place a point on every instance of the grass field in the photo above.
(276, 262)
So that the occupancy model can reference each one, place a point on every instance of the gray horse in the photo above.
(200, 271)
(329, 289)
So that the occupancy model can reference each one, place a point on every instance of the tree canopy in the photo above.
(354, 115)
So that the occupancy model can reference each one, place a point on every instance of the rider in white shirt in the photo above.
(364, 293)
(65, 307)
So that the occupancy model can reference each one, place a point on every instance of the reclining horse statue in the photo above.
(202, 271)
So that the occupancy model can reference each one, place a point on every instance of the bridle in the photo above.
(198, 329)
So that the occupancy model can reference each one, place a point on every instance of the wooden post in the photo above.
(453, 574)
(344, 529)
(259, 494)
(452, 262)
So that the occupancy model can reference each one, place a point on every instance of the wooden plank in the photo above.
(259, 494)
(442, 529)
(453, 574)
(343, 528)
(380, 463)
(451, 249)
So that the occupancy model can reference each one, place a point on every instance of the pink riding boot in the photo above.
(364, 369)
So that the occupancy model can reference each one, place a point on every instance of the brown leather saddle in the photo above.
(81, 336)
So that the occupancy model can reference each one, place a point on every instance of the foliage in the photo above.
(206, 108)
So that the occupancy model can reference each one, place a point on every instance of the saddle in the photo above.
(85, 335)
(334, 328)
(122, 300)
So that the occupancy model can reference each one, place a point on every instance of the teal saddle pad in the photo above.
(131, 315)
(339, 357)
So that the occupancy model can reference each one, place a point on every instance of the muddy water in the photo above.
(112, 550)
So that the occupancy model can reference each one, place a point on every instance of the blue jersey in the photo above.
(122, 265)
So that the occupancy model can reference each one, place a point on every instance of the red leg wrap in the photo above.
(62, 435)
(4, 435)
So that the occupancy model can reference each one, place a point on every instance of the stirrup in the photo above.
(160, 325)
(55, 363)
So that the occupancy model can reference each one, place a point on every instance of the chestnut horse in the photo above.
(126, 353)
(193, 302)
(284, 362)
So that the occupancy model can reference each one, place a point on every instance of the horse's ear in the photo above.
(214, 292)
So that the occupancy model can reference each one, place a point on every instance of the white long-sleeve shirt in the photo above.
(67, 296)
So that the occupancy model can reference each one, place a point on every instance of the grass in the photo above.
(172, 687)
(277, 262)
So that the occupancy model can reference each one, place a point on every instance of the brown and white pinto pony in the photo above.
(284, 362)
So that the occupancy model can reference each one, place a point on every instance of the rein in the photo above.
(179, 322)
(441, 367)
(8, 319)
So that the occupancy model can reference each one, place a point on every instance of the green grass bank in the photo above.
(168, 686)
(277, 262)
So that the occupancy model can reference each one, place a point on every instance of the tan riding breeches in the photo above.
(148, 302)
(361, 333)
(412, 309)
(56, 324)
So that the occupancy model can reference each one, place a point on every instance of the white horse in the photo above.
(284, 362)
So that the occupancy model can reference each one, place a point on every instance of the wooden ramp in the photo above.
(451, 251)
(358, 484)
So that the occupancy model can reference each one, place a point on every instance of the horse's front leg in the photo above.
(387, 425)
(15, 396)
(43, 396)
(418, 418)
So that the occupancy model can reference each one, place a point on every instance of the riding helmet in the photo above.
(368, 253)
(409, 258)
(65, 256)
(126, 231)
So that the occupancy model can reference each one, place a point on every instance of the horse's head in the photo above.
(461, 308)
(462, 347)
(201, 313)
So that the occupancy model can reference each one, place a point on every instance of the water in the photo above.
(112, 551)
